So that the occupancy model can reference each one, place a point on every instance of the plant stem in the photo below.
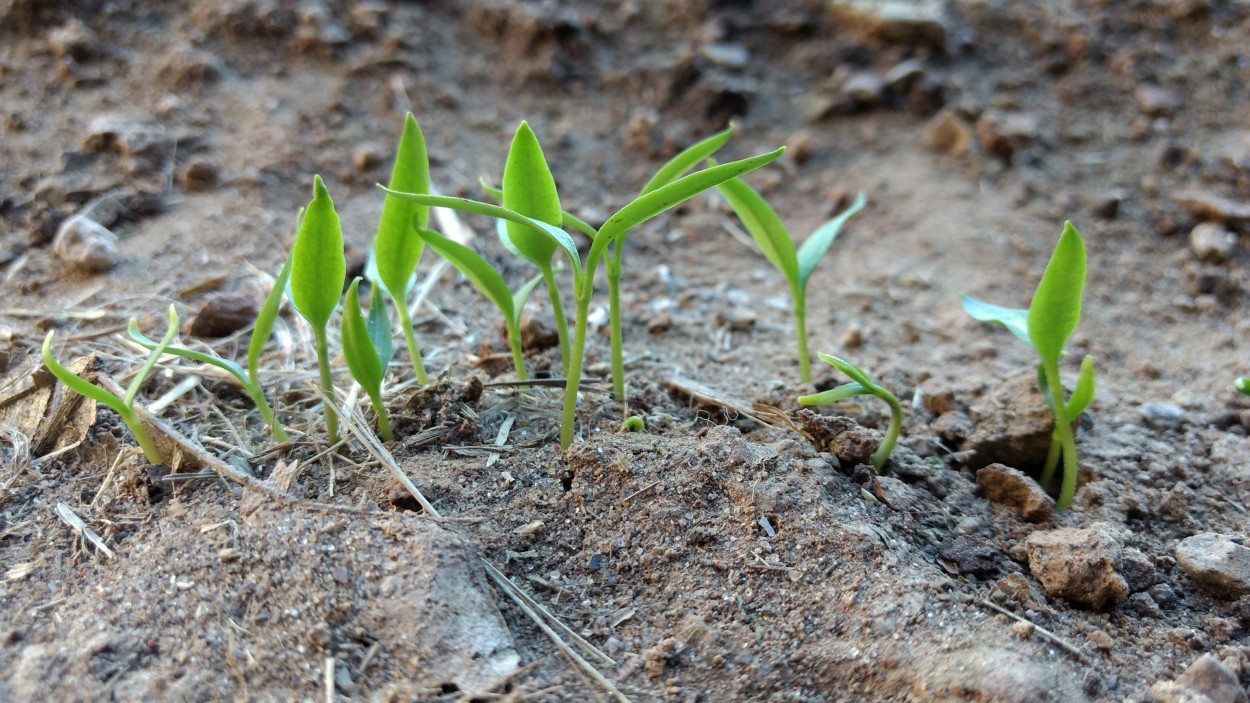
(384, 420)
(557, 311)
(327, 384)
(131, 418)
(1067, 441)
(614, 314)
(518, 357)
(573, 368)
(882, 454)
(799, 301)
(257, 394)
(410, 337)
(1052, 461)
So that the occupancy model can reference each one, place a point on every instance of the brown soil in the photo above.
(713, 557)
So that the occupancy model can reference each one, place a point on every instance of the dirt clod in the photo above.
(86, 245)
(1207, 679)
(1217, 563)
(1078, 564)
(223, 314)
(1012, 488)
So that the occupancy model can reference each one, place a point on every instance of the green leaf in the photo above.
(266, 317)
(530, 189)
(856, 374)
(379, 326)
(1083, 394)
(318, 266)
(818, 242)
(557, 235)
(358, 350)
(1056, 307)
(567, 219)
(687, 159)
(78, 384)
(764, 226)
(833, 395)
(1014, 319)
(397, 248)
(1242, 384)
(146, 369)
(231, 367)
(522, 294)
(476, 269)
(644, 207)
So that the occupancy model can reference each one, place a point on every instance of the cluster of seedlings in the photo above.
(532, 223)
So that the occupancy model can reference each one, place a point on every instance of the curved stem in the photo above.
(384, 420)
(557, 311)
(800, 332)
(614, 313)
(257, 394)
(882, 454)
(518, 357)
(1052, 461)
(1067, 441)
(327, 384)
(131, 418)
(573, 370)
(410, 337)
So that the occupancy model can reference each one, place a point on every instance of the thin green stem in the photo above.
(1067, 441)
(1052, 461)
(557, 311)
(518, 357)
(410, 337)
(257, 394)
(327, 384)
(614, 314)
(573, 368)
(882, 454)
(800, 332)
(384, 420)
(131, 418)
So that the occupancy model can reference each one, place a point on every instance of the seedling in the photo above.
(249, 379)
(796, 264)
(318, 270)
(1242, 384)
(367, 348)
(633, 423)
(636, 212)
(396, 248)
(1046, 325)
(124, 406)
(489, 283)
(861, 384)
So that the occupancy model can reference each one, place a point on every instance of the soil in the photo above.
(729, 552)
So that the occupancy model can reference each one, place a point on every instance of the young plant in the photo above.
(124, 406)
(318, 270)
(796, 264)
(1242, 384)
(248, 378)
(861, 384)
(1046, 326)
(636, 212)
(367, 348)
(396, 247)
(490, 284)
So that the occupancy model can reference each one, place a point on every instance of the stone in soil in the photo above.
(1078, 565)
(1212, 243)
(914, 22)
(1205, 681)
(991, 674)
(1012, 488)
(1216, 563)
(86, 245)
(224, 314)
(1013, 424)
(947, 133)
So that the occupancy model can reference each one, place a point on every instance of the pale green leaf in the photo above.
(819, 241)
(764, 226)
(480, 274)
(379, 326)
(318, 267)
(358, 350)
(530, 189)
(1056, 307)
(1016, 320)
(522, 294)
(144, 371)
(266, 318)
(687, 159)
(397, 247)
(230, 367)
(78, 384)
(1083, 393)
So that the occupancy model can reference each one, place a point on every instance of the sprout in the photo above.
(1045, 326)
(367, 348)
(861, 384)
(1242, 384)
(633, 423)
(123, 406)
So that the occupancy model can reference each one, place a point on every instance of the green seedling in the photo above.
(861, 384)
(397, 248)
(248, 378)
(490, 284)
(636, 212)
(318, 270)
(796, 264)
(633, 423)
(367, 348)
(1046, 326)
(124, 406)
(1242, 384)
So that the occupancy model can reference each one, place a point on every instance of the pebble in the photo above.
(1206, 680)
(900, 78)
(864, 88)
(1001, 134)
(1208, 206)
(726, 54)
(86, 245)
(366, 157)
(186, 67)
(910, 22)
(1078, 564)
(1212, 243)
(1156, 101)
(1217, 563)
(947, 133)
(223, 314)
(1011, 487)
(199, 176)
(146, 145)
(1163, 414)
(1101, 640)
(1013, 423)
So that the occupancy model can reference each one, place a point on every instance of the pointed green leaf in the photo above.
(833, 395)
(476, 269)
(78, 384)
(644, 207)
(492, 191)
(318, 267)
(687, 159)
(1014, 319)
(379, 327)
(397, 247)
(530, 189)
(818, 242)
(522, 294)
(1056, 307)
(146, 370)
(358, 350)
(1083, 394)
(567, 219)
(230, 367)
(266, 317)
(501, 230)
(846, 367)
(764, 226)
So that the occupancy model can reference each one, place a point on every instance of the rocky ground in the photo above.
(739, 548)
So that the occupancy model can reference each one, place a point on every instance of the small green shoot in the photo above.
(318, 270)
(1046, 326)
(1242, 384)
(795, 263)
(635, 213)
(396, 247)
(861, 384)
(633, 423)
(367, 349)
(124, 406)
(490, 284)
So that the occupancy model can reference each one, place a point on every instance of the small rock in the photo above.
(145, 145)
(366, 157)
(1211, 242)
(1205, 681)
(186, 67)
(1163, 414)
(1012, 488)
(1156, 101)
(726, 54)
(536, 336)
(85, 244)
(1013, 424)
(865, 89)
(1101, 640)
(1107, 205)
(903, 75)
(910, 22)
(223, 314)
(1023, 629)
(1208, 206)
(1217, 563)
(852, 338)
(986, 673)
(1078, 565)
(947, 133)
(74, 40)
(199, 176)
(1002, 134)
(1137, 569)
(970, 554)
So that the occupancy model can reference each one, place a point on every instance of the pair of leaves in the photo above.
(530, 190)
(861, 384)
(318, 265)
